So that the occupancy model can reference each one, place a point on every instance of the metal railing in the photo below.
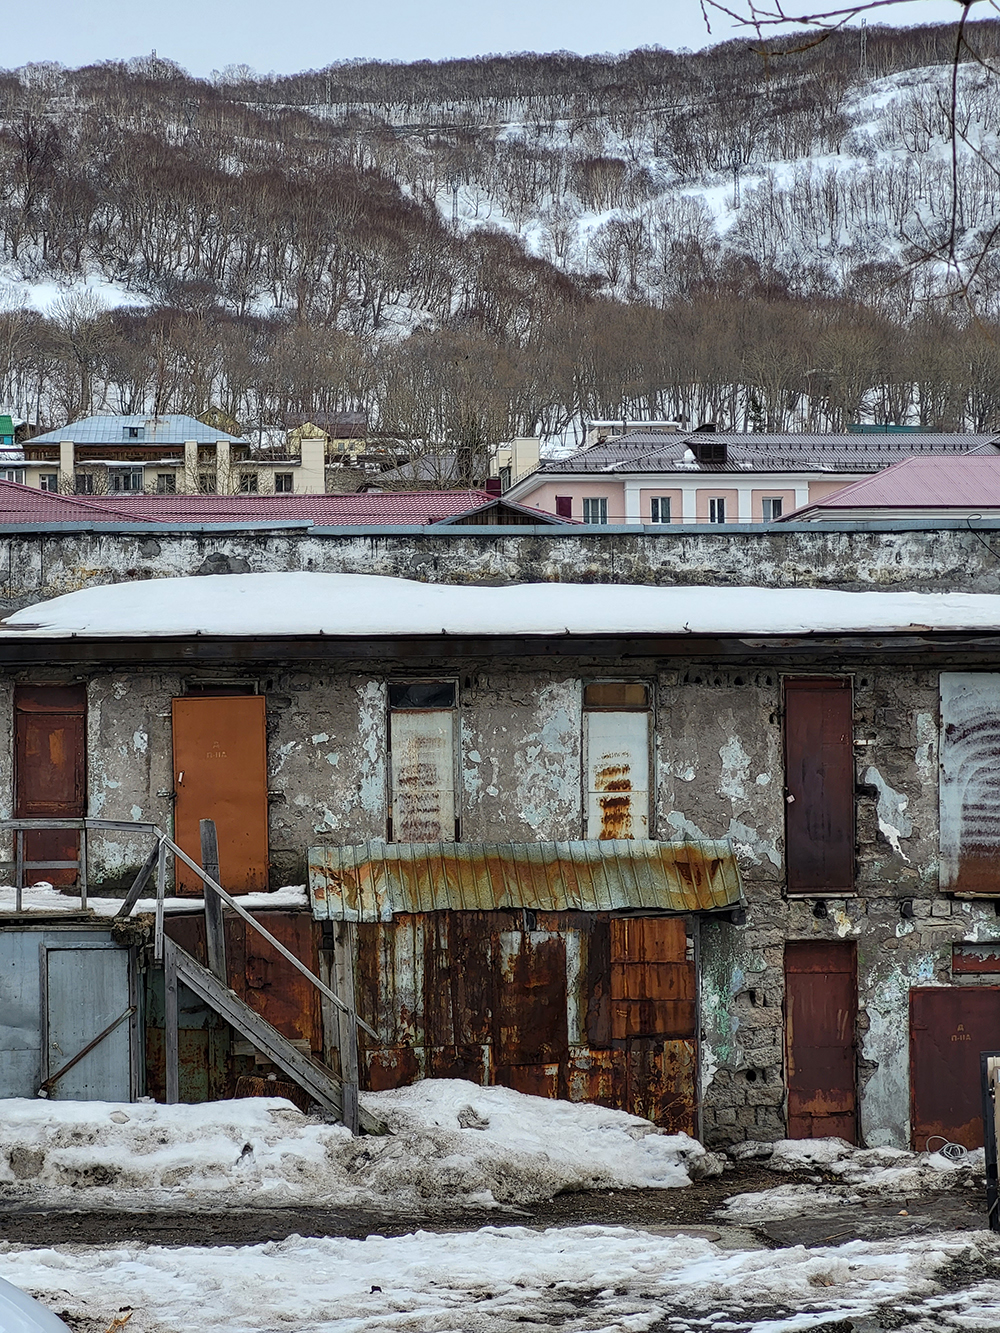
(157, 861)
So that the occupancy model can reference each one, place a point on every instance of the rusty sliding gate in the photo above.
(211, 983)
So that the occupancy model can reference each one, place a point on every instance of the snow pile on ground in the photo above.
(450, 1143)
(499, 1279)
(843, 1174)
(42, 897)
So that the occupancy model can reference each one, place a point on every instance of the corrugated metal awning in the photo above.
(376, 880)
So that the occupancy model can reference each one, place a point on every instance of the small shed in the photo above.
(560, 969)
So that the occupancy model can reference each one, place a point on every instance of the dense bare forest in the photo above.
(472, 249)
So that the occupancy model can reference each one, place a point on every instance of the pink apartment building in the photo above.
(650, 476)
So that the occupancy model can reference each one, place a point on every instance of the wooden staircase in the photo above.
(321, 1083)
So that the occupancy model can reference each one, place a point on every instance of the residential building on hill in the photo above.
(932, 488)
(660, 476)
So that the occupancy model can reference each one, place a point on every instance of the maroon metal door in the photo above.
(949, 1027)
(819, 786)
(50, 771)
(821, 1001)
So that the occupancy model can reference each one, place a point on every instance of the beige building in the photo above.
(166, 455)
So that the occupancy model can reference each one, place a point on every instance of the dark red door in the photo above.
(819, 786)
(821, 1002)
(50, 771)
(949, 1027)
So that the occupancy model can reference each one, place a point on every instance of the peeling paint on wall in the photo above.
(893, 821)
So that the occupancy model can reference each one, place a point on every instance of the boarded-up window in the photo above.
(422, 744)
(819, 786)
(616, 743)
(970, 782)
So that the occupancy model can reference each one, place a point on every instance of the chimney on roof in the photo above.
(493, 486)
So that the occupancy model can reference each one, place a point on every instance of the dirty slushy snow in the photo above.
(500, 1279)
(451, 1143)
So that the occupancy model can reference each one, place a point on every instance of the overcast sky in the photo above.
(288, 35)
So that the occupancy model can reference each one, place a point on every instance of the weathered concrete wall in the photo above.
(41, 565)
(718, 771)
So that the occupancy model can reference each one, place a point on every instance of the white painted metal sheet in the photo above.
(970, 782)
(86, 990)
(423, 776)
(617, 774)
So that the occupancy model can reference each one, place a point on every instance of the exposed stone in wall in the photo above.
(945, 559)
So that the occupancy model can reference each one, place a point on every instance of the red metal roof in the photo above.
(372, 507)
(930, 482)
(27, 504)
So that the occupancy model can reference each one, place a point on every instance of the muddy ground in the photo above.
(660, 1210)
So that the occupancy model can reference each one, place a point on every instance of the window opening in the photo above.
(717, 509)
(617, 758)
(659, 508)
(422, 737)
(166, 483)
(595, 509)
(282, 483)
(771, 507)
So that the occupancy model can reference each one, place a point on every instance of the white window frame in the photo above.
(598, 503)
(767, 507)
(656, 509)
(717, 509)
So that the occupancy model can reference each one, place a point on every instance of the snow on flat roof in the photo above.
(368, 605)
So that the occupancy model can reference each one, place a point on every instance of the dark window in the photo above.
(248, 483)
(282, 483)
(166, 483)
(134, 433)
(48, 481)
(125, 480)
(595, 509)
(659, 509)
(717, 509)
(564, 506)
(616, 694)
(85, 483)
(771, 507)
(422, 694)
(819, 786)
(206, 483)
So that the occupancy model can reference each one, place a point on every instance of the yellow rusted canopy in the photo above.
(376, 880)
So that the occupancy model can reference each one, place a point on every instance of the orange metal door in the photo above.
(220, 773)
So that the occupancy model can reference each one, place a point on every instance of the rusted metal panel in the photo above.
(821, 1001)
(653, 989)
(949, 1027)
(975, 958)
(376, 880)
(259, 975)
(970, 782)
(524, 999)
(530, 1026)
(617, 774)
(661, 1077)
(220, 773)
(50, 772)
(422, 743)
(819, 785)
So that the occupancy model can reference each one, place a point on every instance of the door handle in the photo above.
(180, 778)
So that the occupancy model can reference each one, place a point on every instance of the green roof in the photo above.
(6, 426)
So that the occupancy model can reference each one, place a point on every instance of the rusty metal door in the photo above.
(949, 1027)
(50, 770)
(821, 1004)
(819, 786)
(220, 773)
(654, 1019)
(530, 1033)
(617, 747)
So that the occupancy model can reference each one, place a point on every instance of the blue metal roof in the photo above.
(172, 429)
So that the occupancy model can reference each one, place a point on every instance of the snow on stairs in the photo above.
(320, 1082)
